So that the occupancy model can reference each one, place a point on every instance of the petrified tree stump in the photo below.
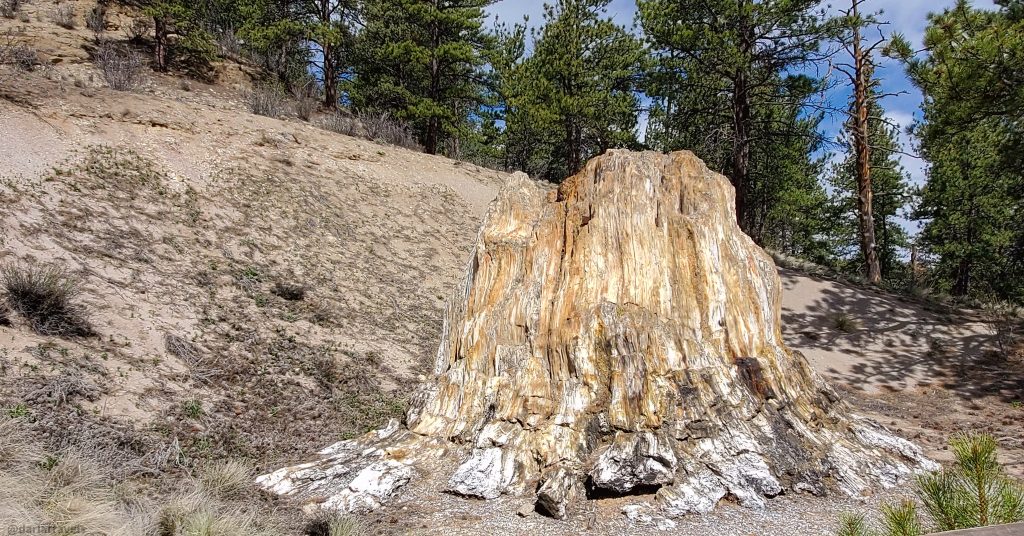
(618, 335)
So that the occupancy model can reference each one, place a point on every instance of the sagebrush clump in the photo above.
(341, 124)
(382, 128)
(121, 68)
(379, 127)
(96, 19)
(265, 100)
(64, 16)
(45, 295)
(9, 8)
(17, 53)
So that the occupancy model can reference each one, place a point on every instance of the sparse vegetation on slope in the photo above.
(239, 299)
(265, 100)
(17, 53)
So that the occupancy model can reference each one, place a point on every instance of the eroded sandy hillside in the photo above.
(191, 222)
(258, 287)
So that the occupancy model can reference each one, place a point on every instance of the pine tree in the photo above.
(890, 193)
(272, 30)
(575, 96)
(860, 71)
(420, 60)
(717, 62)
(974, 492)
(182, 19)
(329, 27)
(788, 205)
(972, 136)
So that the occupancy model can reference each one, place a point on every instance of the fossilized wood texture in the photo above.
(619, 335)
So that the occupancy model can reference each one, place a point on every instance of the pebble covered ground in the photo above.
(787, 515)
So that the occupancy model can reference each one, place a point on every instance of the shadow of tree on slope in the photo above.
(899, 340)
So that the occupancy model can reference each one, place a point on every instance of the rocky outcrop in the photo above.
(617, 335)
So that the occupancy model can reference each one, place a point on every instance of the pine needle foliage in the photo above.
(853, 525)
(974, 492)
(901, 519)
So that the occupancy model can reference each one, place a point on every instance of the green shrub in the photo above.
(193, 408)
(974, 492)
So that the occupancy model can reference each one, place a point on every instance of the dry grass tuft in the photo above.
(197, 514)
(845, 322)
(225, 479)
(67, 492)
(45, 295)
(77, 492)
(330, 524)
(5, 314)
(15, 446)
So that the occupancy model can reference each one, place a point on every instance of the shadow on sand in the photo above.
(870, 339)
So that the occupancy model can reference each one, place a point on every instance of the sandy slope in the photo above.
(219, 207)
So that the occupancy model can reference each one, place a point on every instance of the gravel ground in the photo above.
(425, 509)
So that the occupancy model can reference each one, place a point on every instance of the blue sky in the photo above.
(908, 17)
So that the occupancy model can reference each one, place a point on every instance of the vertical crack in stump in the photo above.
(619, 336)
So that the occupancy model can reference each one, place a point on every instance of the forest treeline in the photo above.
(742, 83)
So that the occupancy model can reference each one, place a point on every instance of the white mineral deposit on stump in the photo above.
(619, 335)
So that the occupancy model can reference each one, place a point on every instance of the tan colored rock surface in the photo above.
(618, 335)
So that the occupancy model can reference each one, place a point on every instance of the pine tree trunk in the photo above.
(433, 133)
(865, 213)
(330, 78)
(161, 28)
(620, 335)
(742, 126)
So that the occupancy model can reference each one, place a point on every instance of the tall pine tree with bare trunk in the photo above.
(860, 71)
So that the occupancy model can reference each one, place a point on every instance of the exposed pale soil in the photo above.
(221, 205)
